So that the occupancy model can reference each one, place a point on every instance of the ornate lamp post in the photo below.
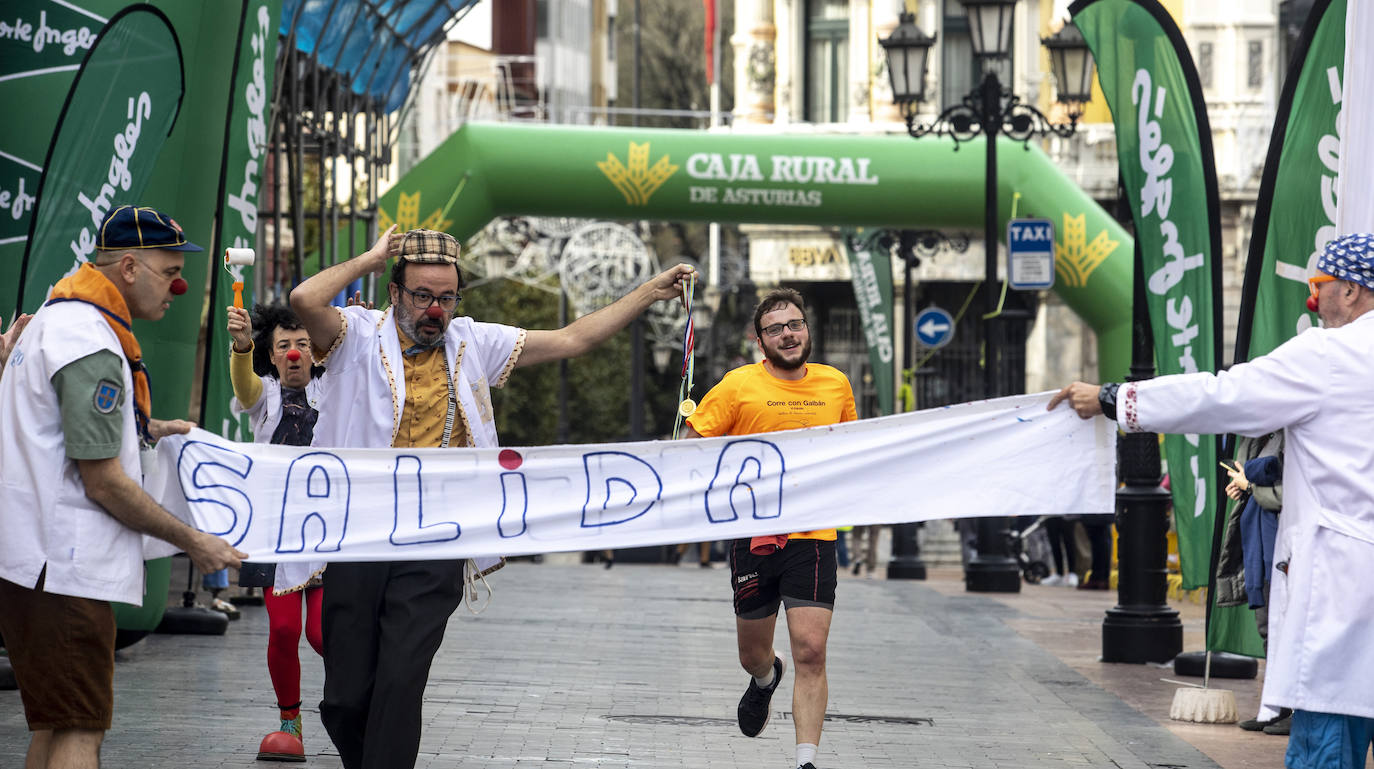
(989, 110)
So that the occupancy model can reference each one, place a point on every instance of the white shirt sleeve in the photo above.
(1283, 388)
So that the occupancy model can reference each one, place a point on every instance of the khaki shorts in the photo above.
(62, 652)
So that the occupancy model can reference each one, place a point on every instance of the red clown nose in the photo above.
(1312, 304)
(434, 312)
(178, 287)
(293, 355)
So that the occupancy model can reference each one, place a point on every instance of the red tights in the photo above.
(284, 639)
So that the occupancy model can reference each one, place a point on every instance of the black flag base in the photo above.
(1224, 665)
(189, 619)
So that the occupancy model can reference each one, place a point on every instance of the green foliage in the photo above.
(598, 382)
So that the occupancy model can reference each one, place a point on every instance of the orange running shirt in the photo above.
(750, 400)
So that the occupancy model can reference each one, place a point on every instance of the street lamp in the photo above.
(989, 111)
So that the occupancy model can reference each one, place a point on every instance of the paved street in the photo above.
(574, 665)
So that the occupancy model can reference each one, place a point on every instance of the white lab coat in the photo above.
(264, 416)
(364, 385)
(46, 516)
(1318, 387)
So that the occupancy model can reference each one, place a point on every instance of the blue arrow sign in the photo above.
(934, 327)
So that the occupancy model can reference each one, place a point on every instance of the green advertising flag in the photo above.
(870, 270)
(1300, 181)
(1164, 145)
(119, 111)
(241, 180)
(42, 45)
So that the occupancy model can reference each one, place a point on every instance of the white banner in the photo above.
(989, 458)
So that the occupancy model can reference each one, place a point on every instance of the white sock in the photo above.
(763, 682)
(806, 753)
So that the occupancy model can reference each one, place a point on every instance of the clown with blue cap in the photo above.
(1316, 388)
(75, 419)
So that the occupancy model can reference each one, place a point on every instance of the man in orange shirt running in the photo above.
(781, 392)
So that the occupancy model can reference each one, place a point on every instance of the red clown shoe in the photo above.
(281, 746)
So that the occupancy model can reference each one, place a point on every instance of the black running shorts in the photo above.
(800, 574)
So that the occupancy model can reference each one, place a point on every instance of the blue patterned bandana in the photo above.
(1350, 257)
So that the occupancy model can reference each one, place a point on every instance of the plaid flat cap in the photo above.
(1350, 257)
(425, 247)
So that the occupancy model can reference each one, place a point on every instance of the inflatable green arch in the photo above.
(487, 170)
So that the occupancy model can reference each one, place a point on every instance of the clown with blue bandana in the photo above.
(1316, 387)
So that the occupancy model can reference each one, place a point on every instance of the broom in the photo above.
(1199, 704)
(1202, 705)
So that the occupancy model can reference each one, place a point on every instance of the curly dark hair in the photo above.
(777, 299)
(267, 318)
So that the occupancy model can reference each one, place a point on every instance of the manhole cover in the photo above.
(672, 720)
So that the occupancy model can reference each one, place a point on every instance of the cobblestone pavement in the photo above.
(574, 665)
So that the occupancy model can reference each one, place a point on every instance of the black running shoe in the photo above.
(753, 710)
(807, 765)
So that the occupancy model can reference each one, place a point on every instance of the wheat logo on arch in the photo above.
(638, 181)
(408, 216)
(1075, 259)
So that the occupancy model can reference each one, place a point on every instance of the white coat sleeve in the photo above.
(357, 330)
(497, 347)
(1283, 388)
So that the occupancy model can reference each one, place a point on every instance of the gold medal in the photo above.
(687, 407)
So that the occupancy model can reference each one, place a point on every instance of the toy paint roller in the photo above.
(238, 257)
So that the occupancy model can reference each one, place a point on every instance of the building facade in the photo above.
(816, 65)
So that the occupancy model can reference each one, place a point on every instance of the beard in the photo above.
(780, 360)
(425, 332)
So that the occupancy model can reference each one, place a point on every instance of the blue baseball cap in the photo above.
(140, 227)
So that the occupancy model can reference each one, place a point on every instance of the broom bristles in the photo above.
(1204, 706)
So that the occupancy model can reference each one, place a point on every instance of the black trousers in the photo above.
(1100, 537)
(383, 623)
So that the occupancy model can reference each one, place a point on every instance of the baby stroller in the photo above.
(1030, 546)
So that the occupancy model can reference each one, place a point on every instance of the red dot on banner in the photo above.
(510, 459)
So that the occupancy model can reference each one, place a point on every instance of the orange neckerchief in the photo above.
(90, 286)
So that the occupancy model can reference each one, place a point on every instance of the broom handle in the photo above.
(1207, 669)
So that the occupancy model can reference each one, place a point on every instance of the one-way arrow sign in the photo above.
(934, 327)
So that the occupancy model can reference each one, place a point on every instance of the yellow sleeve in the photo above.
(247, 385)
(715, 415)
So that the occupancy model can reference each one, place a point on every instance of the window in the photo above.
(1255, 65)
(1204, 64)
(827, 60)
(960, 70)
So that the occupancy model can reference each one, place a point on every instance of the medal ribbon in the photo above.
(686, 406)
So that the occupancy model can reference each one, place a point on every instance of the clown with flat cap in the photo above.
(75, 413)
(1319, 388)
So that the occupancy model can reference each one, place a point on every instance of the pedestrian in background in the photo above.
(1247, 551)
